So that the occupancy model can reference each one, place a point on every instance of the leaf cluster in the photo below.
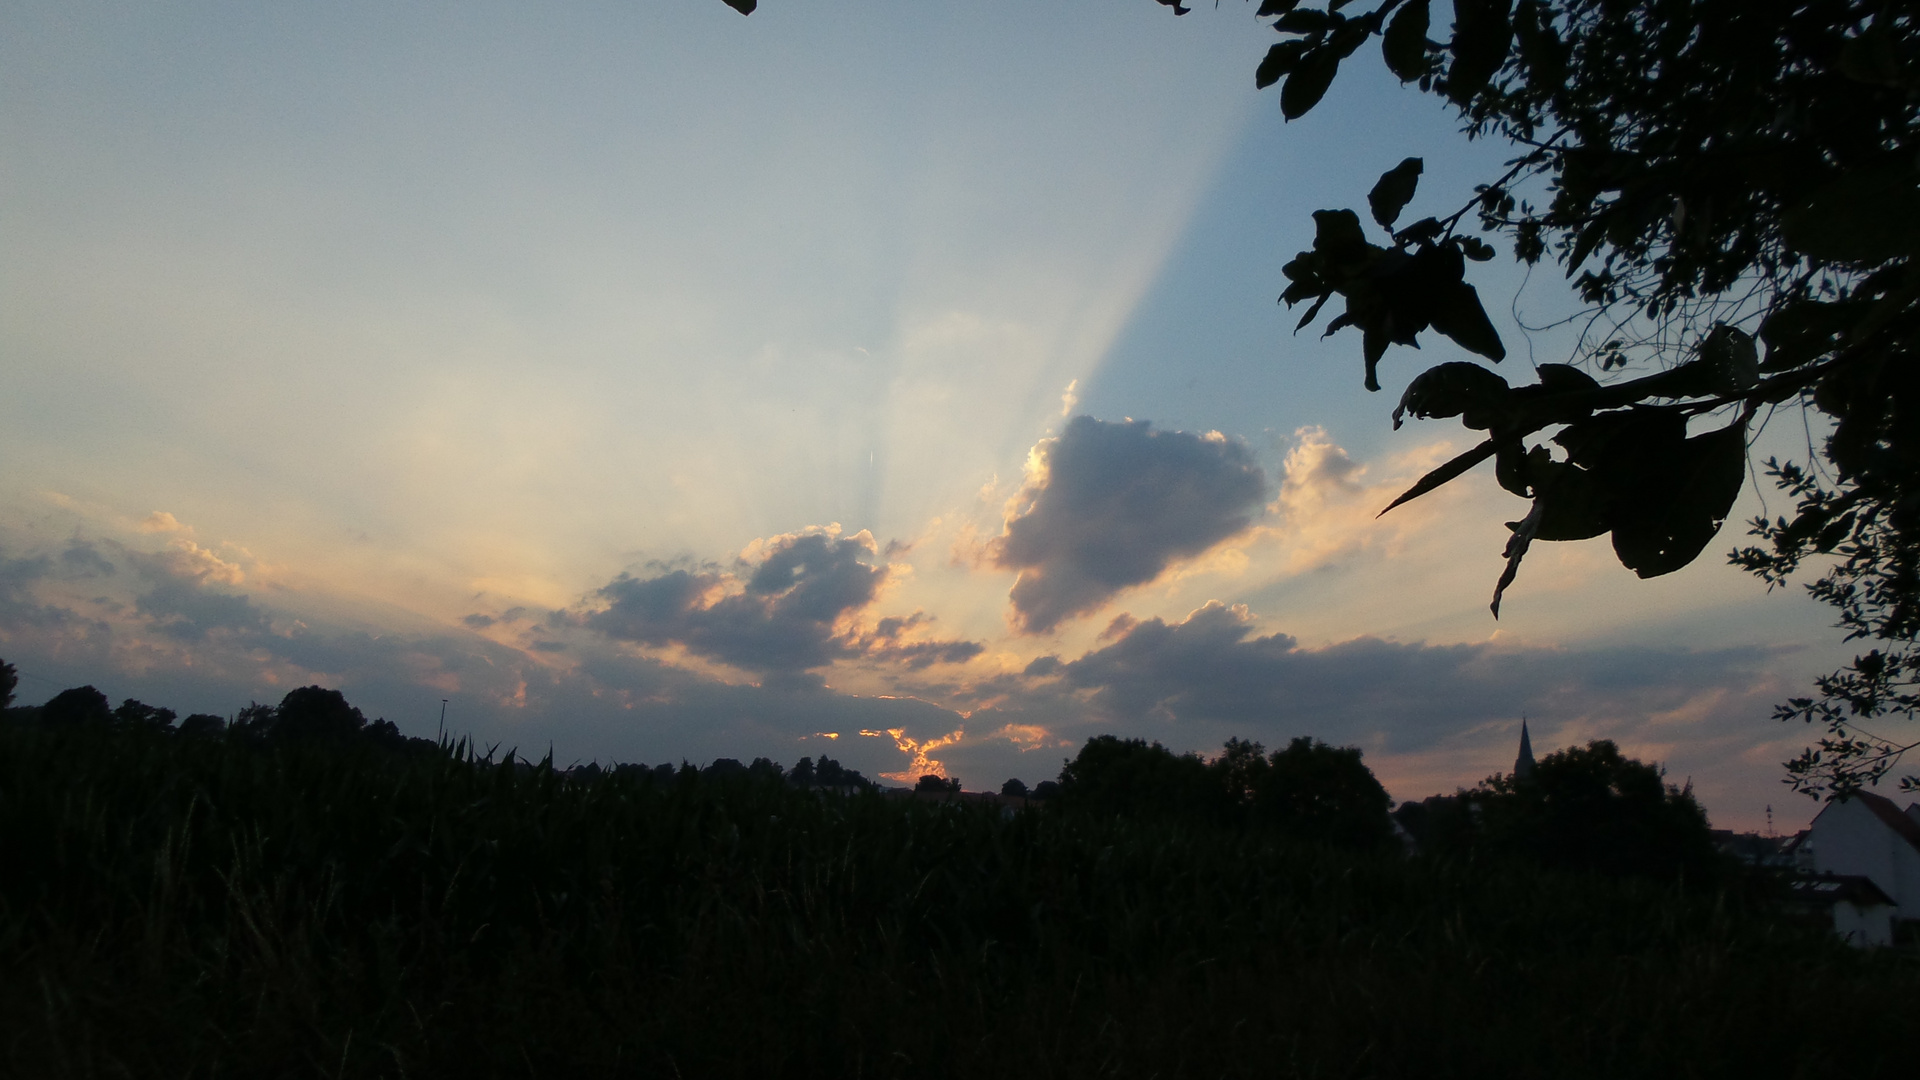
(1733, 187)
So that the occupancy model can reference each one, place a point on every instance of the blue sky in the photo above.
(653, 383)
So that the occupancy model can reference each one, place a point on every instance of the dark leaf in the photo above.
(1373, 345)
(1394, 190)
(1475, 248)
(1338, 233)
(1513, 465)
(1454, 389)
(1424, 231)
(1677, 510)
(1517, 545)
(1867, 217)
(1540, 46)
(1482, 33)
(1565, 379)
(1279, 61)
(1804, 330)
(1835, 532)
(1583, 245)
(1307, 21)
(1308, 83)
(744, 7)
(1312, 312)
(1460, 317)
(1276, 7)
(1622, 446)
(1573, 504)
(1405, 43)
(1446, 472)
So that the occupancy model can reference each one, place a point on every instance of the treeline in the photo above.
(303, 897)
(1582, 808)
(1587, 808)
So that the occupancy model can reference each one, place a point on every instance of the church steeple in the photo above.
(1523, 765)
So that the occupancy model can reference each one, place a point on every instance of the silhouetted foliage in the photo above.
(1585, 808)
(1045, 790)
(80, 705)
(1313, 791)
(1308, 791)
(201, 725)
(1734, 189)
(1594, 808)
(1438, 823)
(1014, 789)
(937, 784)
(9, 678)
(826, 773)
(1132, 778)
(139, 714)
(315, 712)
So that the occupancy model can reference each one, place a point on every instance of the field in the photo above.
(206, 907)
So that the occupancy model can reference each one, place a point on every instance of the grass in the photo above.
(207, 908)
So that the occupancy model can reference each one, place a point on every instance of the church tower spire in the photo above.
(1523, 765)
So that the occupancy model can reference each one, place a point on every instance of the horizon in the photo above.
(902, 386)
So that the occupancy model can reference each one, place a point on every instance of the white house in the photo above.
(1862, 914)
(1866, 835)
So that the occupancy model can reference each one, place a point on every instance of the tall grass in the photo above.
(180, 907)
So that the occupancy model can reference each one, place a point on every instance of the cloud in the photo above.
(1108, 506)
(162, 522)
(888, 642)
(1211, 674)
(796, 609)
(184, 609)
(184, 559)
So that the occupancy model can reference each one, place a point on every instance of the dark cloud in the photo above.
(887, 642)
(83, 559)
(17, 576)
(478, 621)
(1119, 503)
(789, 615)
(184, 609)
(22, 610)
(1210, 673)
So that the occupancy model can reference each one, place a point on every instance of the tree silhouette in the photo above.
(1115, 777)
(1593, 808)
(9, 678)
(1324, 793)
(133, 713)
(315, 712)
(79, 705)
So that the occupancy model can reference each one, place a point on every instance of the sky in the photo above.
(901, 383)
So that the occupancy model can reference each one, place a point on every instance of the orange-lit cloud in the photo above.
(162, 522)
(921, 763)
